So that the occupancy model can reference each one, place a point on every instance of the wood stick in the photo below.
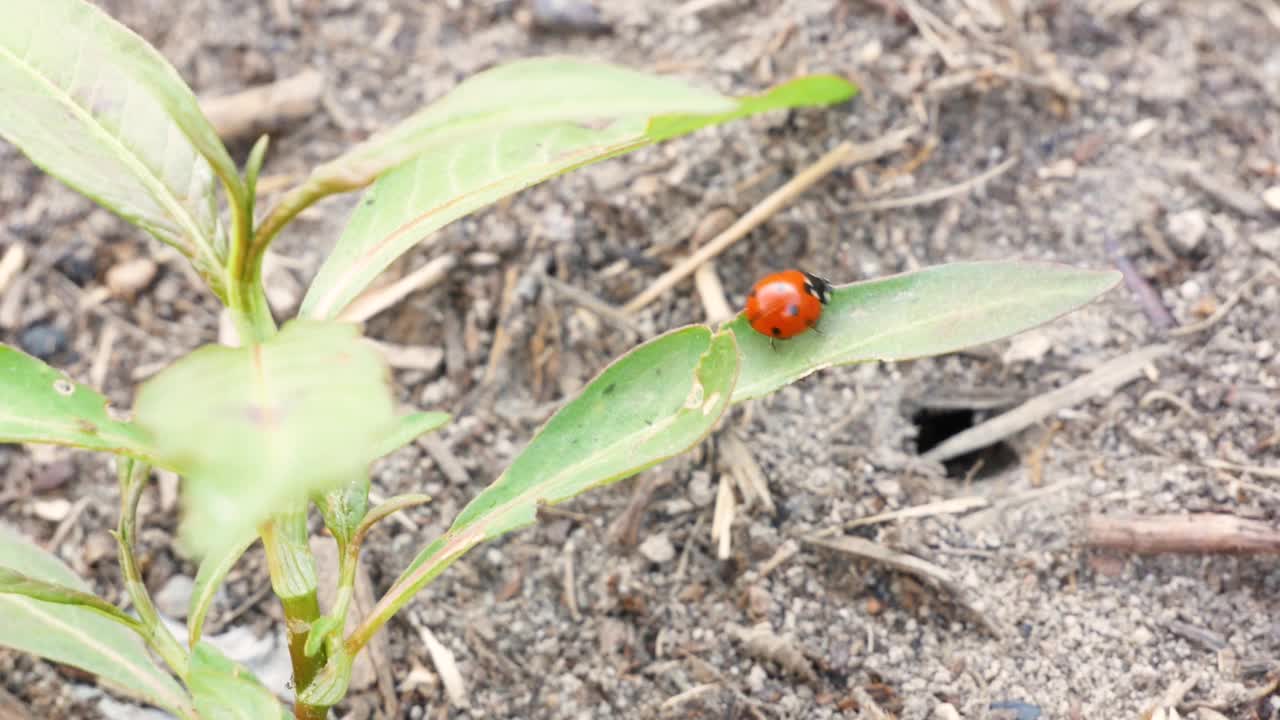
(265, 107)
(1106, 378)
(1195, 533)
(844, 153)
(371, 302)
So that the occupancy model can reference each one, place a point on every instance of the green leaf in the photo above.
(536, 91)
(655, 402)
(15, 583)
(410, 427)
(225, 690)
(934, 311)
(259, 429)
(506, 130)
(76, 634)
(209, 577)
(802, 92)
(343, 508)
(41, 405)
(93, 104)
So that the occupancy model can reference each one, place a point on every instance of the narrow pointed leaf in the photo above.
(38, 404)
(536, 91)
(486, 146)
(209, 577)
(93, 104)
(931, 312)
(225, 690)
(256, 429)
(410, 427)
(74, 634)
(655, 402)
(15, 583)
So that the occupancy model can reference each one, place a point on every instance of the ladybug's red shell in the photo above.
(787, 303)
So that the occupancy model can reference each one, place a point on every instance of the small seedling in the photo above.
(292, 419)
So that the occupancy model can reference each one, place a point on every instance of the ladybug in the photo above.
(787, 303)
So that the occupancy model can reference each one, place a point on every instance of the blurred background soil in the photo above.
(1144, 133)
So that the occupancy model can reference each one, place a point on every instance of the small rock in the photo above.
(52, 475)
(946, 711)
(658, 548)
(1271, 198)
(1187, 229)
(1064, 169)
(97, 546)
(43, 340)
(700, 490)
(758, 602)
(1027, 347)
(175, 597)
(1142, 636)
(567, 16)
(128, 278)
(1141, 129)
(756, 678)
(168, 483)
(54, 510)
(1016, 710)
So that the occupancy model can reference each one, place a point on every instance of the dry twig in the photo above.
(936, 195)
(265, 107)
(845, 153)
(375, 300)
(942, 507)
(910, 564)
(1195, 533)
(1104, 379)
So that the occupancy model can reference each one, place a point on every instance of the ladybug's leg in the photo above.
(772, 346)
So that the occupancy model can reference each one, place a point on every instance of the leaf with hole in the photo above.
(918, 314)
(257, 429)
(55, 617)
(41, 405)
(657, 401)
(93, 104)
(506, 130)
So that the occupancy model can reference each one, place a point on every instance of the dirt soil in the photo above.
(1144, 133)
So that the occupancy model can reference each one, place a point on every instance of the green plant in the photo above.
(294, 417)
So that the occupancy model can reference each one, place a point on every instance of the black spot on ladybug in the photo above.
(793, 310)
(777, 331)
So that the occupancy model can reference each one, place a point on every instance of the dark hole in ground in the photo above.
(935, 426)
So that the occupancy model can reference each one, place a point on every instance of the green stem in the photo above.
(246, 298)
(294, 202)
(293, 578)
(133, 480)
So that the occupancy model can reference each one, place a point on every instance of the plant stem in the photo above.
(293, 577)
(133, 480)
(246, 298)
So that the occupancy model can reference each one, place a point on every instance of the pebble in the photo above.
(946, 711)
(43, 340)
(128, 278)
(658, 548)
(700, 490)
(1187, 229)
(1271, 198)
(54, 510)
(175, 597)
(567, 16)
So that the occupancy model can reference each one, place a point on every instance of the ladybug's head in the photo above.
(817, 287)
